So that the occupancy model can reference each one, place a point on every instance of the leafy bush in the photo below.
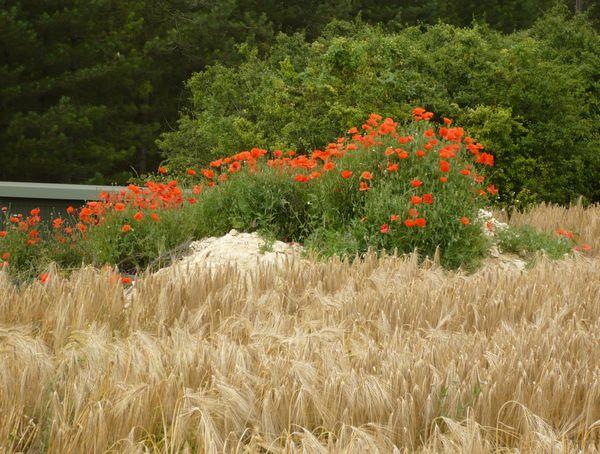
(530, 96)
(393, 188)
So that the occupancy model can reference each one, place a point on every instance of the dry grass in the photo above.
(377, 356)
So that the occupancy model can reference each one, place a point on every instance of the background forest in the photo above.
(103, 91)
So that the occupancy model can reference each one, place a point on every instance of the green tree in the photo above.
(529, 96)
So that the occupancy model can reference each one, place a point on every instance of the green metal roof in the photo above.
(10, 189)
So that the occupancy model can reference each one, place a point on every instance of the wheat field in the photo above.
(381, 355)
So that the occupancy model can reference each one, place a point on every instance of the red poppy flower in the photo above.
(126, 228)
(402, 154)
(6, 256)
(385, 228)
(409, 223)
(330, 165)
(443, 179)
(3, 233)
(363, 186)
(392, 167)
(118, 207)
(416, 183)
(485, 159)
(465, 172)
(420, 222)
(353, 130)
(301, 178)
(44, 277)
(413, 213)
(154, 217)
(126, 280)
(420, 153)
(162, 170)
(492, 189)
(428, 199)
(70, 209)
(415, 200)
(35, 212)
(191, 172)
(346, 174)
(447, 121)
(366, 175)
(465, 220)
(444, 166)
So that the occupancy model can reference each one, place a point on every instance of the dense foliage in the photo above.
(87, 87)
(387, 187)
(530, 96)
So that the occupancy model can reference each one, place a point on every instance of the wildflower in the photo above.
(162, 170)
(197, 189)
(401, 153)
(394, 217)
(492, 189)
(44, 277)
(420, 222)
(392, 167)
(234, 167)
(465, 172)
(353, 130)
(485, 159)
(118, 207)
(138, 216)
(366, 175)
(443, 179)
(385, 228)
(126, 228)
(208, 173)
(415, 200)
(416, 183)
(6, 256)
(447, 121)
(3, 233)
(216, 163)
(35, 212)
(389, 151)
(70, 209)
(330, 165)
(154, 217)
(409, 223)
(363, 186)
(465, 220)
(479, 179)
(126, 280)
(586, 247)
(346, 174)
(428, 199)
(57, 223)
(301, 178)
(444, 166)
(413, 213)
(191, 172)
